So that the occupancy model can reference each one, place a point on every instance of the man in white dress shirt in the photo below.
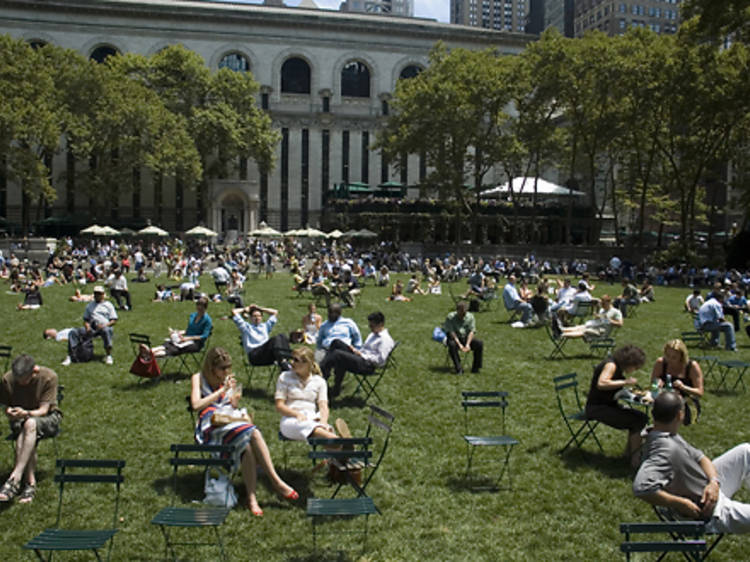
(343, 357)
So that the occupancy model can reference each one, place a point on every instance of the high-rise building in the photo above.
(393, 7)
(560, 14)
(613, 17)
(502, 15)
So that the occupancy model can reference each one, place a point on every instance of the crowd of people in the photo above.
(671, 473)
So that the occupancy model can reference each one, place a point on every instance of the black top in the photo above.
(684, 377)
(604, 397)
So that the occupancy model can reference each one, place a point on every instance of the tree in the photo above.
(454, 113)
(219, 109)
(28, 125)
(718, 19)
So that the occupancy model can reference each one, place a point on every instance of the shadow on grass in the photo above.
(327, 555)
(351, 401)
(612, 467)
(479, 484)
(142, 383)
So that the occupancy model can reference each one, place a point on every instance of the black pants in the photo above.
(735, 314)
(275, 350)
(341, 359)
(118, 294)
(477, 348)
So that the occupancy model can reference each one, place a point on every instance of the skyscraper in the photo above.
(613, 17)
(502, 15)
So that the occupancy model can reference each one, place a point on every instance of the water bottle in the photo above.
(654, 389)
(670, 388)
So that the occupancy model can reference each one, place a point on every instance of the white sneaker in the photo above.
(66, 361)
(108, 360)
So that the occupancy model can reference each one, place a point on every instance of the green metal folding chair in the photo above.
(572, 411)
(79, 471)
(363, 381)
(476, 403)
(666, 515)
(684, 537)
(172, 517)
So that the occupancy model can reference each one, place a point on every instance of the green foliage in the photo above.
(560, 508)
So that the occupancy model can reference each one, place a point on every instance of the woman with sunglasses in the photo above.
(302, 399)
(213, 389)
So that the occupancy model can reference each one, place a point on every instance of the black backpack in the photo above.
(84, 349)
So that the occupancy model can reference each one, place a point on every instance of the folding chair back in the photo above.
(685, 537)
(572, 411)
(136, 339)
(5, 352)
(79, 471)
(582, 311)
(666, 515)
(206, 456)
(363, 381)
(476, 405)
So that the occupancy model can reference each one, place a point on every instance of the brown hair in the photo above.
(214, 357)
(629, 356)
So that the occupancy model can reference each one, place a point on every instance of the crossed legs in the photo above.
(257, 452)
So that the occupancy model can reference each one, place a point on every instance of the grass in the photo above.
(560, 508)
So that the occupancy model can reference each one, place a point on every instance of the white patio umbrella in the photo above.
(264, 230)
(335, 234)
(306, 232)
(93, 229)
(153, 231)
(201, 231)
(107, 231)
(525, 186)
(364, 233)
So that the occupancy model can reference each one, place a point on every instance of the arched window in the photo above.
(37, 44)
(235, 61)
(295, 76)
(102, 53)
(355, 80)
(409, 72)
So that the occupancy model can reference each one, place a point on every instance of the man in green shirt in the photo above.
(460, 329)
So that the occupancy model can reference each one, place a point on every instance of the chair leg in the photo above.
(506, 466)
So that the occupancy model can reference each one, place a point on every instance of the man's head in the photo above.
(461, 308)
(719, 296)
(256, 316)
(334, 312)
(49, 334)
(667, 407)
(376, 321)
(23, 368)
(511, 279)
(98, 293)
(606, 301)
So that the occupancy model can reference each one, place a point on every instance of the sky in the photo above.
(434, 9)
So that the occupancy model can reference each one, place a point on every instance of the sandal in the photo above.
(27, 495)
(9, 490)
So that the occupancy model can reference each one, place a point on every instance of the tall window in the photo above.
(345, 156)
(365, 157)
(410, 71)
(102, 53)
(355, 80)
(235, 61)
(295, 76)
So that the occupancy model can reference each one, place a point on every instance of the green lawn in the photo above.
(560, 507)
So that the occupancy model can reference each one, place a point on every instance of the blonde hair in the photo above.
(215, 357)
(309, 356)
(678, 345)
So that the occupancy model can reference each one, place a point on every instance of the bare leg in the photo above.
(25, 449)
(250, 478)
(263, 455)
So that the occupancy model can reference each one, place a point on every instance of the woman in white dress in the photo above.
(302, 399)
(311, 324)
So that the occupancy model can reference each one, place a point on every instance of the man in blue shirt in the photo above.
(514, 302)
(336, 328)
(710, 318)
(261, 348)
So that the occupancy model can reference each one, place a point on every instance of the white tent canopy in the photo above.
(264, 230)
(525, 186)
(153, 231)
(201, 231)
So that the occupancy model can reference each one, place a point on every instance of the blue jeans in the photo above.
(715, 327)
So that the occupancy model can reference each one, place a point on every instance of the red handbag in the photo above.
(145, 365)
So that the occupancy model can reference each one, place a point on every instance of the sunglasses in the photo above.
(297, 360)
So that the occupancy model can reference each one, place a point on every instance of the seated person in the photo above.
(368, 271)
(513, 301)
(397, 292)
(302, 399)
(609, 377)
(630, 296)
(214, 390)
(737, 301)
(261, 348)
(348, 288)
(311, 323)
(118, 289)
(191, 339)
(647, 291)
(98, 319)
(710, 318)
(676, 475)
(383, 277)
(163, 294)
(32, 298)
(460, 329)
(334, 328)
(582, 294)
(414, 286)
(684, 375)
(29, 394)
(600, 326)
(433, 282)
(728, 310)
(476, 283)
(342, 357)
(694, 301)
(565, 294)
(523, 290)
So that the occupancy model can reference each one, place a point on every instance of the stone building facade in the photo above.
(326, 79)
